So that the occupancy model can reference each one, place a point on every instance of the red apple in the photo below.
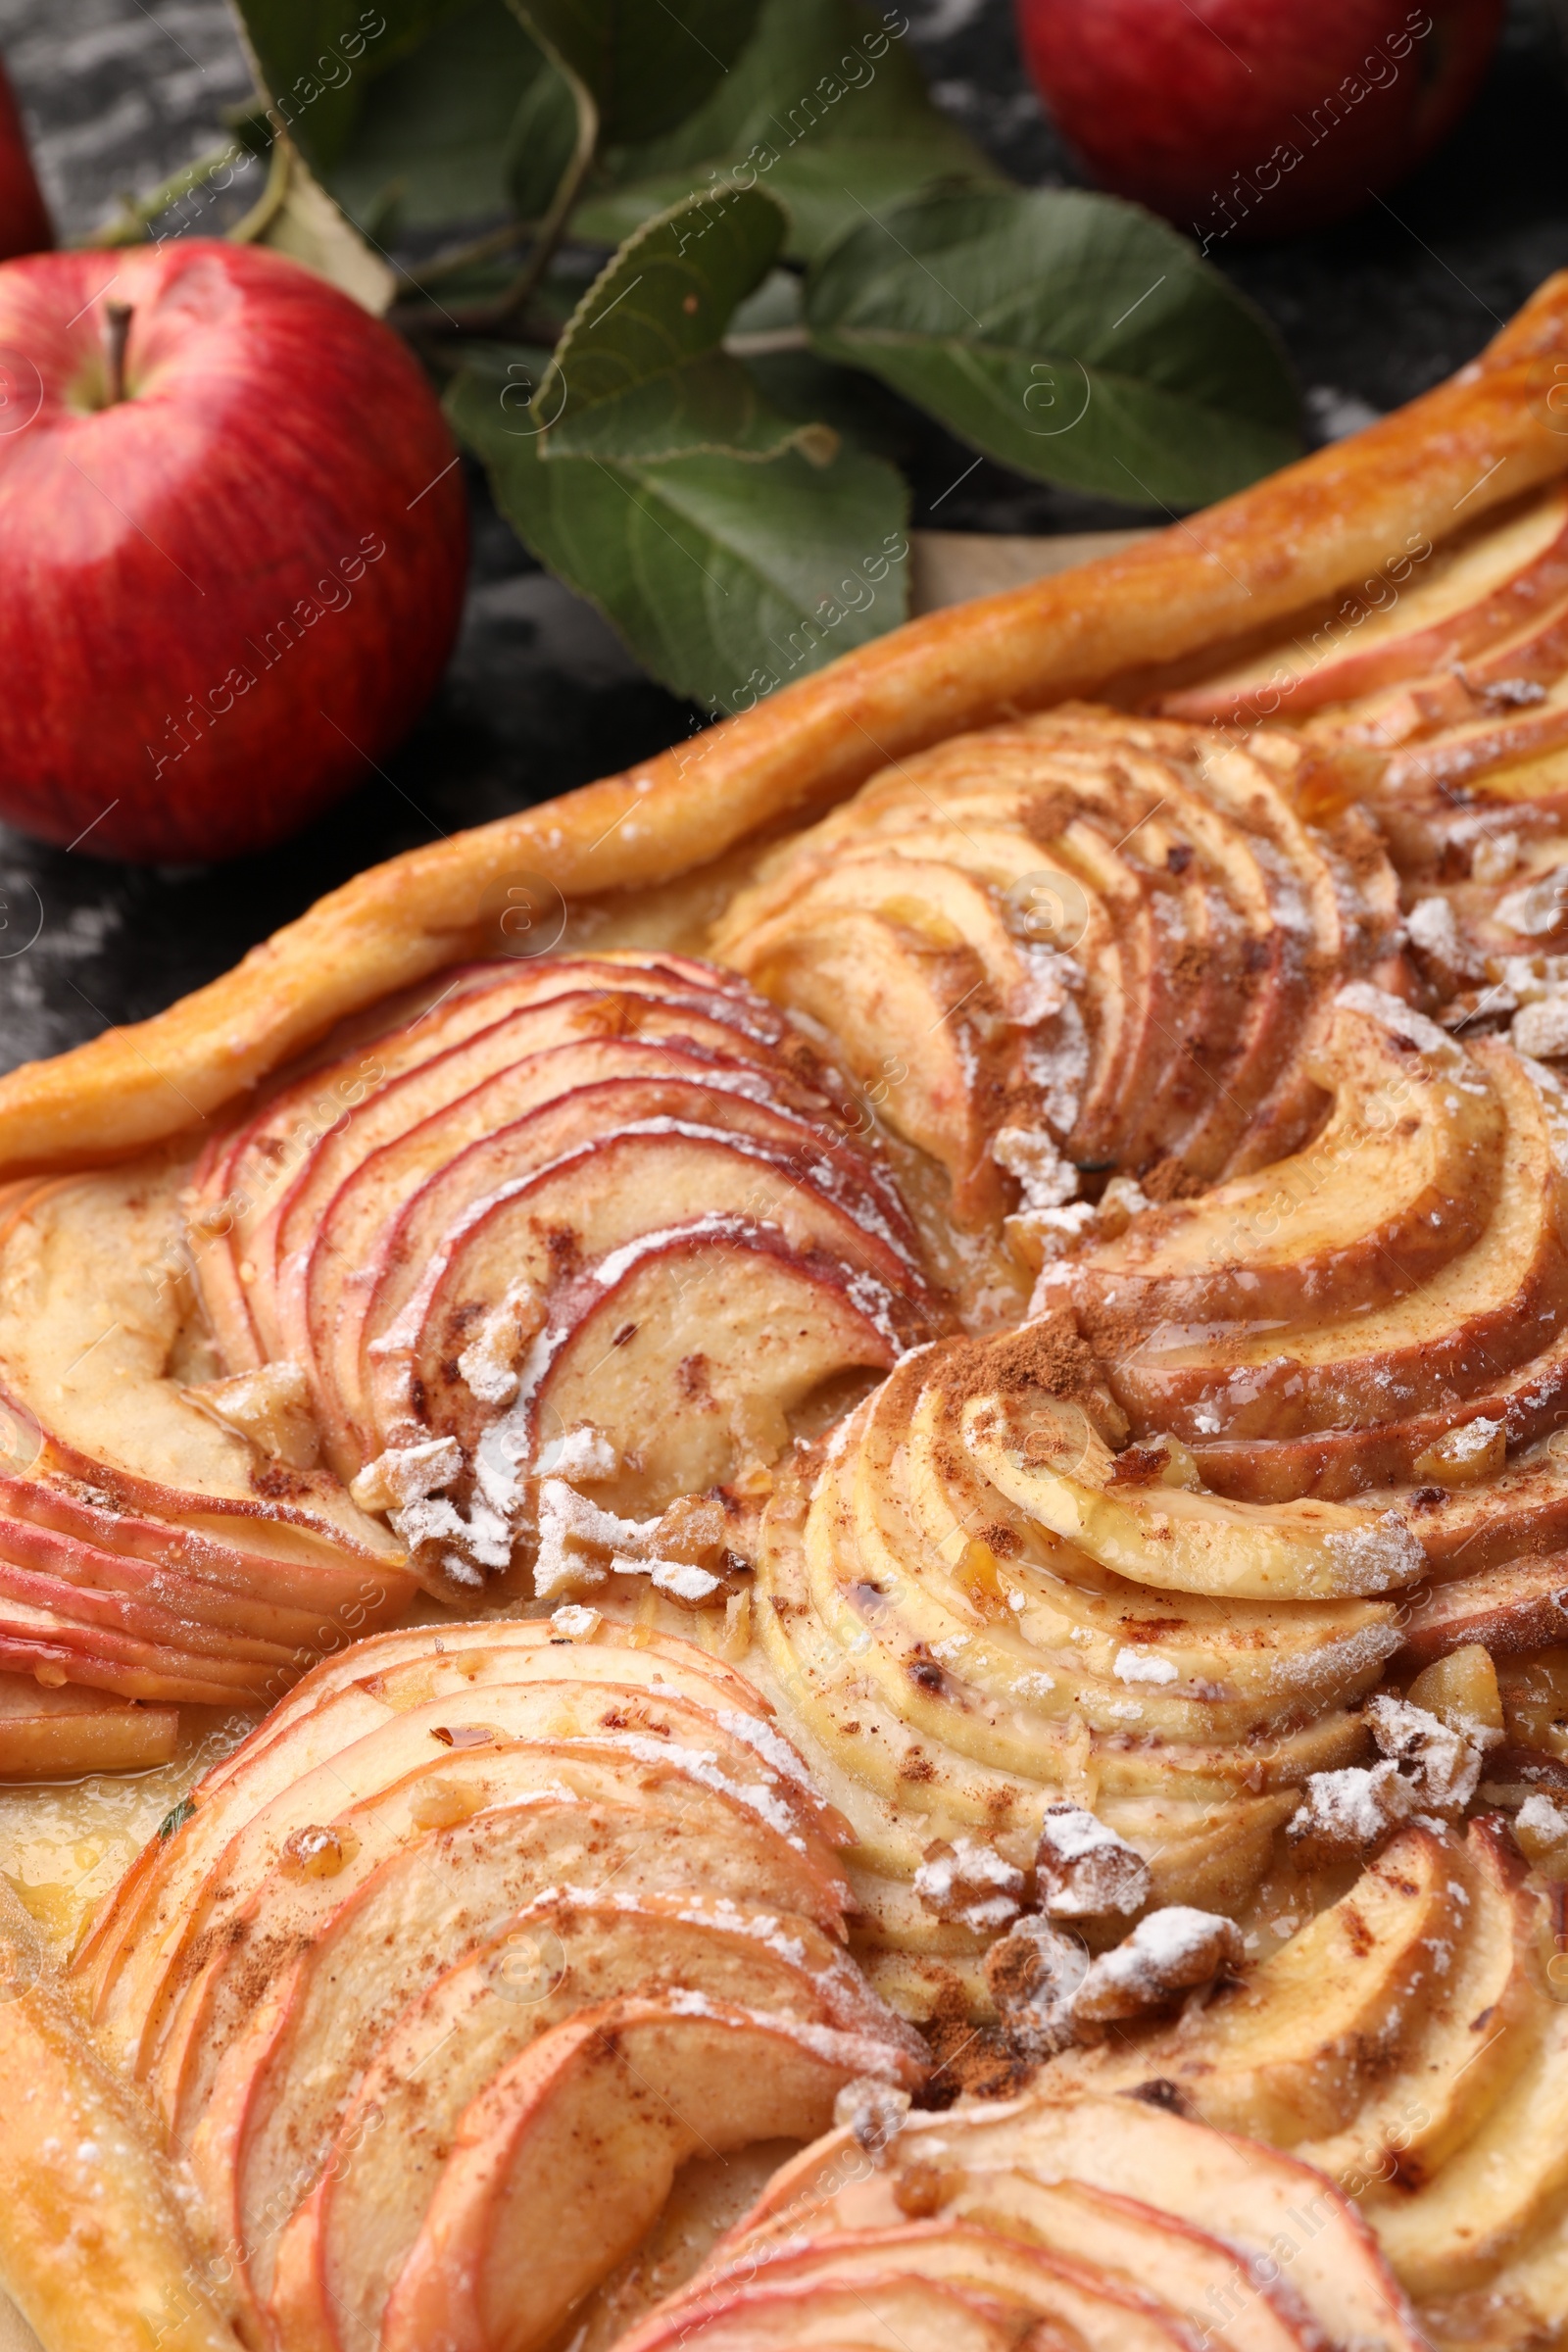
(24, 222)
(1250, 119)
(232, 546)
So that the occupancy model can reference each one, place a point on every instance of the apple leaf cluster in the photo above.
(700, 438)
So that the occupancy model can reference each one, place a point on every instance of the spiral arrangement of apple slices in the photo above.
(1390, 1305)
(1436, 693)
(1410, 2041)
(1117, 931)
(148, 1546)
(586, 1870)
(1077, 2225)
(593, 1215)
(983, 1609)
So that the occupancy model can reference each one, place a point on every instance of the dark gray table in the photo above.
(540, 696)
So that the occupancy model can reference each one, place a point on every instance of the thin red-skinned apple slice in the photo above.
(443, 1088)
(898, 2310)
(59, 1734)
(280, 2089)
(91, 1310)
(1301, 1239)
(1096, 2312)
(267, 1564)
(739, 1757)
(1536, 657)
(263, 1901)
(243, 1176)
(591, 2126)
(1487, 1313)
(1477, 591)
(351, 1314)
(292, 1913)
(126, 1588)
(1235, 2189)
(242, 1173)
(1518, 1605)
(766, 1326)
(1123, 2241)
(349, 2242)
(600, 1200)
(116, 1607)
(167, 1672)
(336, 1703)
(1466, 753)
(648, 1731)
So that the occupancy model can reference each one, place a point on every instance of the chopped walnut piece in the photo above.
(970, 1884)
(270, 1409)
(1347, 1813)
(1171, 1951)
(1444, 1759)
(1084, 1869)
(1033, 1975)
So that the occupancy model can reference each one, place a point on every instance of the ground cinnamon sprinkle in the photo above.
(1046, 816)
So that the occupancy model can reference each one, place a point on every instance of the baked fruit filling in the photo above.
(962, 1473)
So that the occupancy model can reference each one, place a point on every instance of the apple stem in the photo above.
(117, 329)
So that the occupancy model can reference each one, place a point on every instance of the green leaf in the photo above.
(1072, 336)
(449, 113)
(314, 59)
(725, 578)
(640, 372)
(825, 108)
(643, 63)
(440, 133)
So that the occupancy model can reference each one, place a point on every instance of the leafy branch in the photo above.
(793, 239)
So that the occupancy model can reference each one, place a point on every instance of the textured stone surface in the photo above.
(541, 696)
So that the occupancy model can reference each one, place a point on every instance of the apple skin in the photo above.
(24, 222)
(1193, 109)
(206, 646)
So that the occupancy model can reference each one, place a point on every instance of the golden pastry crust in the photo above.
(1473, 443)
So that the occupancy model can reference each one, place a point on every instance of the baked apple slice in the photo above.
(896, 2304)
(376, 1245)
(596, 2119)
(1069, 2298)
(280, 2090)
(62, 1732)
(926, 926)
(92, 1308)
(1482, 586)
(1251, 2199)
(245, 1179)
(325, 1870)
(689, 1350)
(650, 1729)
(332, 1706)
(412, 1126)
(1413, 2055)
(1054, 1464)
(586, 1206)
(1305, 1241)
(145, 1926)
(349, 2242)
(1481, 1318)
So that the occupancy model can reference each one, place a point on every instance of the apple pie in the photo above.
(826, 1494)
